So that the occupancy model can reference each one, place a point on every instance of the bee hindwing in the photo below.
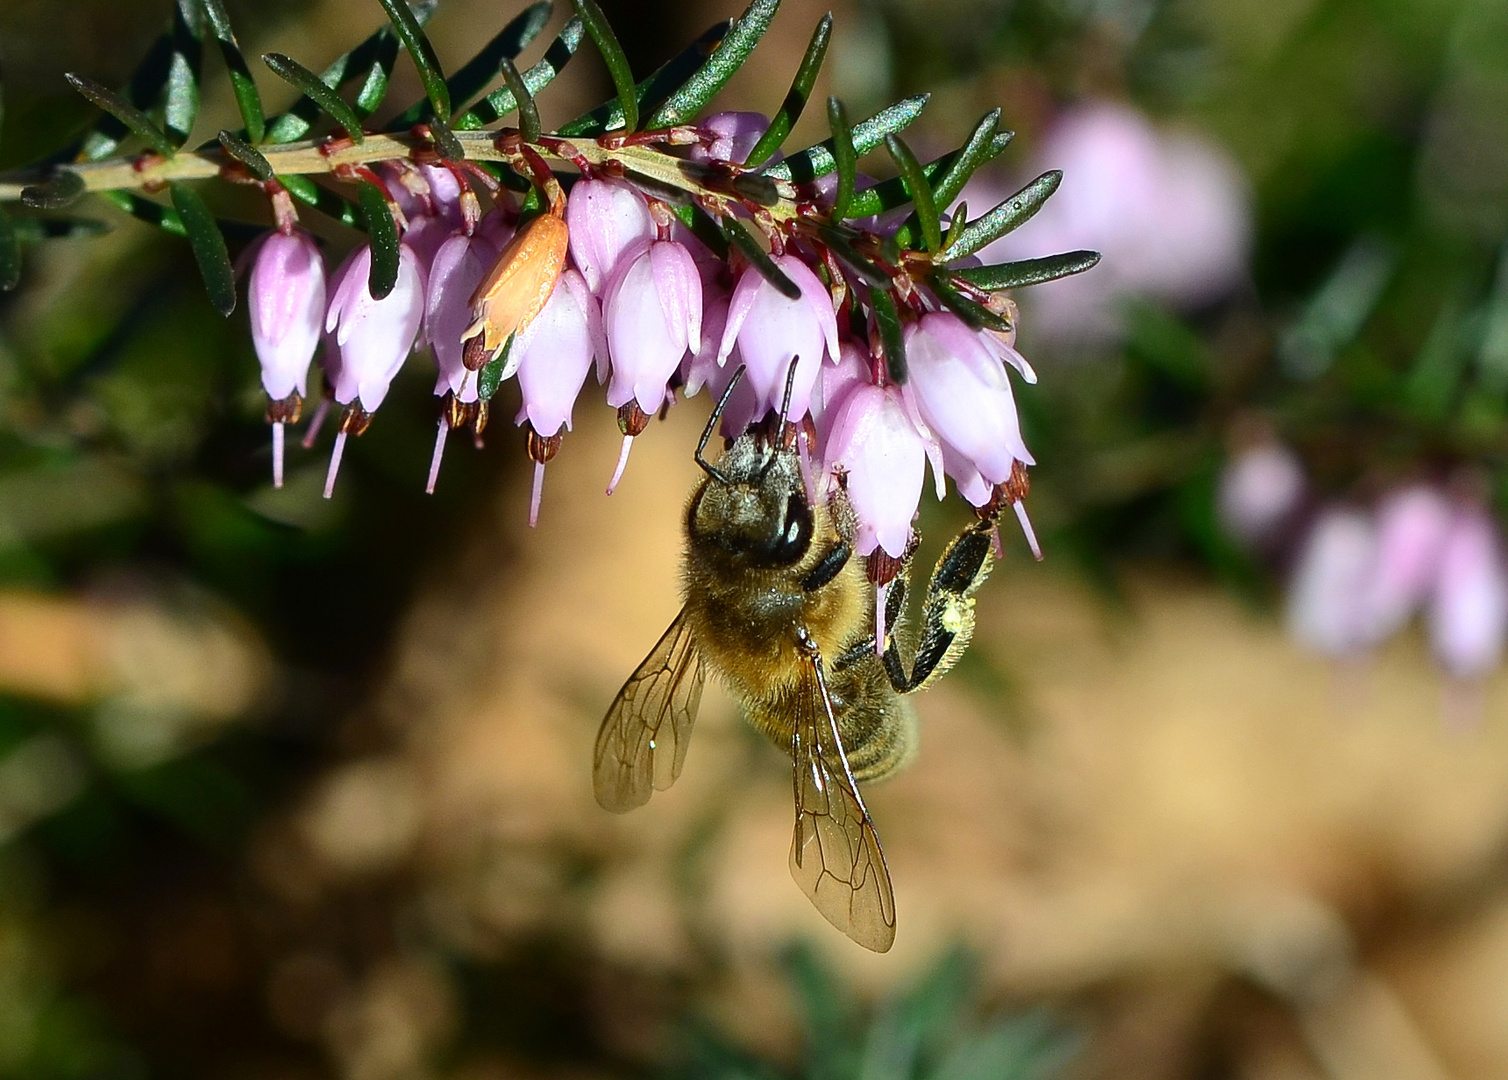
(641, 745)
(835, 854)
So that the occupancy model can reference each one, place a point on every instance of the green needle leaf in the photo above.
(247, 98)
(34, 230)
(740, 237)
(728, 57)
(445, 140)
(133, 118)
(10, 254)
(845, 157)
(64, 188)
(301, 78)
(373, 59)
(921, 194)
(1015, 211)
(501, 102)
(423, 54)
(796, 97)
(653, 90)
(966, 308)
(165, 86)
(837, 240)
(528, 112)
(891, 335)
(247, 155)
(208, 243)
(153, 213)
(1017, 275)
(612, 55)
(818, 160)
(982, 146)
(491, 375)
(382, 231)
(482, 68)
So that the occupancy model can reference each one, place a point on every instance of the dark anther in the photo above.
(474, 353)
(285, 411)
(354, 420)
(541, 448)
(632, 420)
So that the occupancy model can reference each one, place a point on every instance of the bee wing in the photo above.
(835, 855)
(642, 742)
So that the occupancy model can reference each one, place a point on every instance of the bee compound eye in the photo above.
(795, 535)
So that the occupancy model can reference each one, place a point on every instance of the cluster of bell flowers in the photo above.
(607, 279)
(1360, 574)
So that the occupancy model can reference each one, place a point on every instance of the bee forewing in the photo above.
(835, 854)
(642, 743)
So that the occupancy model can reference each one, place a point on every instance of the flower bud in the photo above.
(518, 285)
(286, 302)
(879, 452)
(733, 136)
(607, 218)
(1468, 615)
(771, 330)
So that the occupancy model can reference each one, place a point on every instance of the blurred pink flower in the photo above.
(1468, 614)
(1327, 598)
(1260, 488)
(1170, 212)
(1412, 528)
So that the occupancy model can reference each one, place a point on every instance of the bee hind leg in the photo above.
(947, 612)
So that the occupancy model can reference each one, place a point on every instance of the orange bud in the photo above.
(519, 283)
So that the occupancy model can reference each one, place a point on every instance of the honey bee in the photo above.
(777, 606)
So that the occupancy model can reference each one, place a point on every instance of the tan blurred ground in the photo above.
(1167, 815)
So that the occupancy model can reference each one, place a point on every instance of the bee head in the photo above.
(753, 509)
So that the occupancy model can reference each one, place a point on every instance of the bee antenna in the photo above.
(717, 412)
(785, 410)
(790, 389)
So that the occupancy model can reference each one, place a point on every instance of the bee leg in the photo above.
(948, 612)
(828, 567)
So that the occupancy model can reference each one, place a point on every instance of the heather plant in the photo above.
(663, 249)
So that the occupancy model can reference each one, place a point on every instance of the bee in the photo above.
(777, 607)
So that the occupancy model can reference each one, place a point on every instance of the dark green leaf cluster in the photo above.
(926, 1033)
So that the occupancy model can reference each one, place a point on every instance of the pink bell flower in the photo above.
(771, 330)
(458, 268)
(553, 355)
(733, 136)
(374, 336)
(286, 302)
(652, 313)
(607, 219)
(1327, 598)
(1412, 528)
(1468, 614)
(878, 450)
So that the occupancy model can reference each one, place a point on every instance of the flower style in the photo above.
(652, 313)
(771, 330)
(286, 301)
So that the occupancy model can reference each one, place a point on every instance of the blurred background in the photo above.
(296, 788)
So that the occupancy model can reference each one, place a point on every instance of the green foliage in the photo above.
(243, 85)
(316, 90)
(208, 243)
(382, 231)
(796, 97)
(608, 46)
(694, 94)
(928, 1032)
